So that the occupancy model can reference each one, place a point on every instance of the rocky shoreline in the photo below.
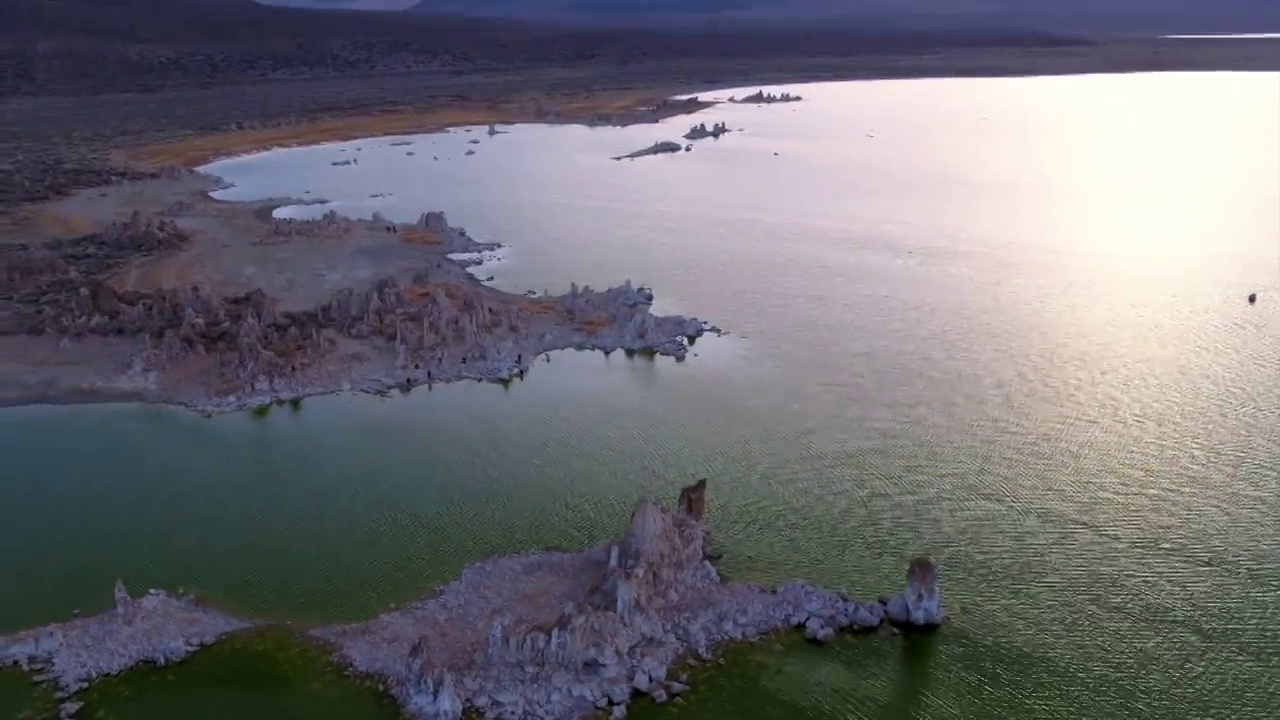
(550, 635)
(419, 320)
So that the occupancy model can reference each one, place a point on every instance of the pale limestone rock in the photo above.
(923, 606)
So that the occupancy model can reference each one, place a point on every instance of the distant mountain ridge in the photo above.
(383, 5)
(1137, 16)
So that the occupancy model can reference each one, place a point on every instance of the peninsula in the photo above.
(555, 635)
(221, 306)
(122, 280)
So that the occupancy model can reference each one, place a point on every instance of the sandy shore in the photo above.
(619, 108)
(637, 94)
(149, 290)
(555, 635)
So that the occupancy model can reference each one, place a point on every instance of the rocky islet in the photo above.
(701, 131)
(760, 97)
(552, 635)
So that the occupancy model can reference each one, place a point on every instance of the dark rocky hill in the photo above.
(101, 46)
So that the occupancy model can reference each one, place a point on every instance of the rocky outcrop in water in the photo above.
(919, 604)
(155, 628)
(700, 131)
(568, 635)
(760, 97)
(659, 148)
(548, 634)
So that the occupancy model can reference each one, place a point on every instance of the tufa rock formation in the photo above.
(919, 605)
(568, 635)
(441, 325)
(700, 131)
(760, 97)
(548, 634)
(155, 628)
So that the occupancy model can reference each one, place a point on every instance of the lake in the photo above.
(1226, 36)
(998, 321)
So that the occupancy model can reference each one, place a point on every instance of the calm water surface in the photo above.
(999, 321)
(1226, 36)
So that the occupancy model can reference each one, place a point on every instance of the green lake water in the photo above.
(1001, 322)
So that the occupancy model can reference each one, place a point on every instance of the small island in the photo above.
(546, 634)
(760, 97)
(700, 131)
(659, 148)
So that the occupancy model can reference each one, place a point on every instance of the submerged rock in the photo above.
(658, 148)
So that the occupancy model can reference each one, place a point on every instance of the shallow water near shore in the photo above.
(1002, 322)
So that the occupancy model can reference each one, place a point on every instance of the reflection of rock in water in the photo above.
(915, 669)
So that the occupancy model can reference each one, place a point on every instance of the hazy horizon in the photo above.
(1156, 16)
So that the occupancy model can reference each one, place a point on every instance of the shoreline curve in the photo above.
(219, 306)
